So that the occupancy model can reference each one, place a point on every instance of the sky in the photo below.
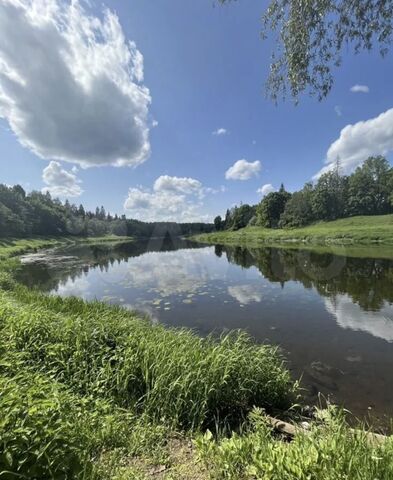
(156, 109)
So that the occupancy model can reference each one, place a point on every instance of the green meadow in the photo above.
(361, 230)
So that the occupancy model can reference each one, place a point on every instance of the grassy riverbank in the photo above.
(10, 247)
(92, 391)
(369, 230)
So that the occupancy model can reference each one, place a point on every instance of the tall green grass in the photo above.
(48, 432)
(168, 374)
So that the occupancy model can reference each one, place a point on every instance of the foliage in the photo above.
(24, 215)
(368, 191)
(47, 431)
(239, 217)
(312, 35)
(36, 438)
(329, 198)
(298, 210)
(271, 208)
(218, 223)
(370, 188)
(330, 450)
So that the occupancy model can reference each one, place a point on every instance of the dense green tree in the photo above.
(228, 219)
(242, 216)
(330, 196)
(298, 210)
(18, 190)
(311, 35)
(81, 211)
(367, 191)
(218, 223)
(271, 207)
(370, 188)
(36, 213)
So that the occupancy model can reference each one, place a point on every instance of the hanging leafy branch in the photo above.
(310, 36)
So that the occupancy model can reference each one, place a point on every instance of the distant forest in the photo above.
(24, 214)
(367, 191)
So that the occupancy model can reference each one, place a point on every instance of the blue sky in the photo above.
(204, 69)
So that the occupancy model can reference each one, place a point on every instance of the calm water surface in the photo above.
(331, 314)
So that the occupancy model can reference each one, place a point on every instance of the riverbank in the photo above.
(94, 391)
(370, 230)
(10, 247)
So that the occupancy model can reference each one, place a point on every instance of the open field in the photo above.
(367, 230)
(93, 391)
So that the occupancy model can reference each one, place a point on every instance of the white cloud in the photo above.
(359, 141)
(359, 89)
(59, 182)
(171, 199)
(186, 185)
(71, 84)
(220, 131)
(266, 189)
(243, 170)
(338, 110)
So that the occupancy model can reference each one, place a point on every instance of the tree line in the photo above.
(367, 191)
(24, 214)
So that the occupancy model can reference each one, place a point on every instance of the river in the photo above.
(331, 313)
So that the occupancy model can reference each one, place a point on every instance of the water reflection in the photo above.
(350, 315)
(367, 281)
(332, 314)
(245, 294)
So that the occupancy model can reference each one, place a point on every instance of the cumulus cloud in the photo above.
(71, 84)
(243, 170)
(186, 185)
(59, 182)
(171, 199)
(359, 89)
(359, 141)
(220, 131)
(266, 189)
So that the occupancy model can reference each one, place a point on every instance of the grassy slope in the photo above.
(354, 230)
(91, 391)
